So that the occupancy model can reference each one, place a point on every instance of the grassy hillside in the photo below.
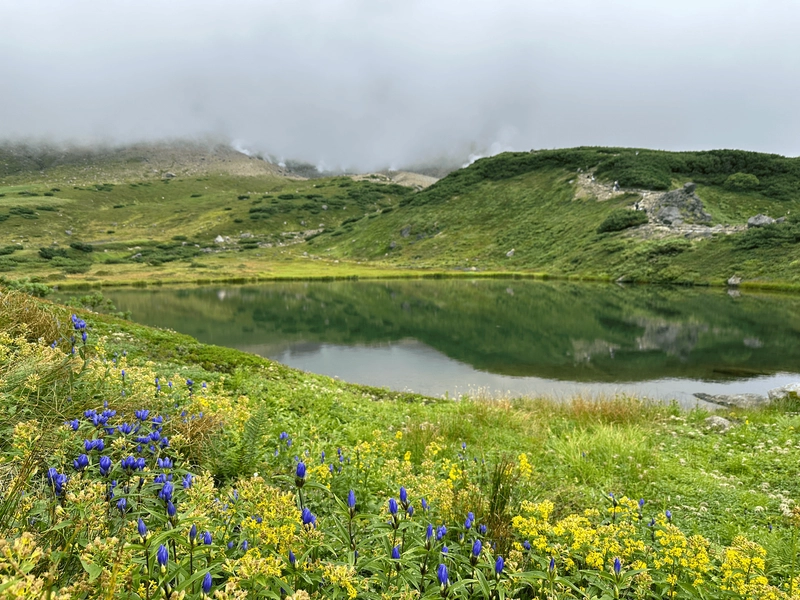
(528, 202)
(99, 219)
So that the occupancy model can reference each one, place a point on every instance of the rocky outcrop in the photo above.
(679, 207)
(759, 221)
(735, 400)
(781, 393)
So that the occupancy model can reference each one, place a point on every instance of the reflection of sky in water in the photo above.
(409, 365)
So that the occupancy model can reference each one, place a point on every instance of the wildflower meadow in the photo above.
(142, 469)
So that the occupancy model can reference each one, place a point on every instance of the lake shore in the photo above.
(581, 455)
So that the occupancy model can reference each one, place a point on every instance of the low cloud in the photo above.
(364, 84)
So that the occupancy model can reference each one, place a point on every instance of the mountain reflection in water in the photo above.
(513, 336)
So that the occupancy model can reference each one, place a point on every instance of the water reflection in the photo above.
(435, 336)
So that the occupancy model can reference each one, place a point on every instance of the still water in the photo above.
(499, 337)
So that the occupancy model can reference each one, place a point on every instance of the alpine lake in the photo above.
(498, 337)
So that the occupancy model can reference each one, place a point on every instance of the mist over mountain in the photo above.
(359, 85)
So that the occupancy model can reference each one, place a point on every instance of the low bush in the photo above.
(82, 247)
(771, 236)
(49, 253)
(622, 218)
(742, 182)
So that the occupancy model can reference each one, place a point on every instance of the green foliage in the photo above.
(622, 218)
(48, 253)
(777, 235)
(742, 182)
(82, 247)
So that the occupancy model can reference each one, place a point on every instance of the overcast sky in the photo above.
(375, 83)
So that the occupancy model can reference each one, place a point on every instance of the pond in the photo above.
(498, 337)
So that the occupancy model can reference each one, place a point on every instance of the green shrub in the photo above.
(81, 247)
(195, 195)
(179, 238)
(771, 236)
(287, 196)
(51, 253)
(22, 211)
(622, 218)
(4, 217)
(47, 208)
(49, 194)
(742, 182)
(119, 206)
(6, 250)
(243, 197)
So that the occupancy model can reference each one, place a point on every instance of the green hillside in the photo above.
(112, 218)
(529, 202)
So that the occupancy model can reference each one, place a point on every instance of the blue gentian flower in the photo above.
(476, 548)
(641, 504)
(424, 504)
(482, 529)
(308, 518)
(322, 458)
(171, 510)
(396, 553)
(410, 511)
(429, 531)
(164, 463)
(467, 523)
(80, 463)
(142, 528)
(292, 558)
(207, 538)
(351, 502)
(617, 566)
(124, 428)
(187, 481)
(669, 516)
(140, 464)
(441, 531)
(166, 492)
(392, 506)
(445, 550)
(142, 414)
(162, 556)
(526, 544)
(300, 475)
(231, 545)
(552, 566)
(442, 575)
(122, 505)
(193, 533)
(75, 424)
(283, 436)
(403, 495)
(245, 545)
(206, 585)
(499, 564)
(105, 465)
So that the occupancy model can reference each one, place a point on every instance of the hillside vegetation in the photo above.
(106, 221)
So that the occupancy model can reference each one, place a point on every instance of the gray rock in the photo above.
(669, 215)
(68, 232)
(324, 207)
(137, 255)
(760, 221)
(510, 253)
(219, 240)
(406, 231)
(392, 245)
(780, 219)
(735, 400)
(734, 280)
(781, 393)
(680, 206)
(718, 423)
(169, 175)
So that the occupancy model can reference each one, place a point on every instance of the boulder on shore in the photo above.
(735, 400)
(781, 393)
